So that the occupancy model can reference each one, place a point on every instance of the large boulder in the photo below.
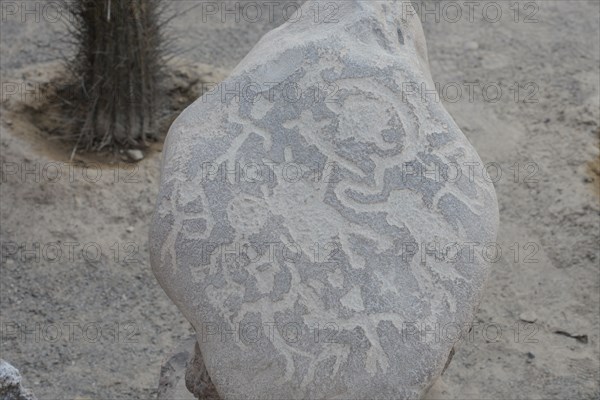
(318, 212)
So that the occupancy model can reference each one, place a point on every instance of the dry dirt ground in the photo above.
(82, 316)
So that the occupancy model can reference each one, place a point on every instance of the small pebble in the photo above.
(471, 45)
(130, 229)
(528, 316)
(135, 155)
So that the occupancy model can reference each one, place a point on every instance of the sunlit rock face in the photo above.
(321, 217)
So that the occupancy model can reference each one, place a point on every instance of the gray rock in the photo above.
(296, 222)
(471, 45)
(528, 316)
(10, 384)
(197, 379)
(172, 385)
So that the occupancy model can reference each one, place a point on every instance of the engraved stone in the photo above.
(321, 217)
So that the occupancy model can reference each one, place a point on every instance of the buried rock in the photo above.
(309, 229)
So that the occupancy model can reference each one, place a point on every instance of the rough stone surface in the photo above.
(10, 384)
(322, 283)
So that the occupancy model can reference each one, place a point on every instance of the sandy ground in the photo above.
(83, 317)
